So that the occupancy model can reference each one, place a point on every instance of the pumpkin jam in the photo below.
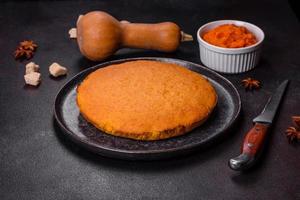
(230, 36)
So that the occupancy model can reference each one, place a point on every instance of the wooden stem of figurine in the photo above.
(186, 37)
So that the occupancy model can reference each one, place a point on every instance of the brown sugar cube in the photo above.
(32, 67)
(57, 70)
(33, 78)
(73, 33)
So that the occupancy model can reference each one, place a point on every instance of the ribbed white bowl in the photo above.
(230, 60)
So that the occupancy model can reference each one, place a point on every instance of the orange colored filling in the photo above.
(230, 36)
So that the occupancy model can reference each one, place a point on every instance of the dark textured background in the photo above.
(36, 162)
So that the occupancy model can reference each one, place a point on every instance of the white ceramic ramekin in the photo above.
(230, 60)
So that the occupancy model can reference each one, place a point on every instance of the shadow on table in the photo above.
(197, 157)
(295, 5)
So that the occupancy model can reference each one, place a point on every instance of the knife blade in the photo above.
(254, 139)
(269, 111)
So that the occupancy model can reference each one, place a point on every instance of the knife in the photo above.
(253, 142)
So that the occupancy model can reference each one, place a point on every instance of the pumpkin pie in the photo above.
(145, 100)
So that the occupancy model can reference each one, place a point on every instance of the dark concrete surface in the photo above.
(37, 162)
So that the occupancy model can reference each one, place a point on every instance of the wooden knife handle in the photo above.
(251, 148)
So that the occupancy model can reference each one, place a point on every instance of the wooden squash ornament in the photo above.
(99, 35)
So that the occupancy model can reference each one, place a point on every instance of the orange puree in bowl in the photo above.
(230, 36)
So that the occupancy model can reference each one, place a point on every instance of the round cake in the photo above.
(145, 100)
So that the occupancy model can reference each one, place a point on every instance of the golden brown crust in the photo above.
(145, 100)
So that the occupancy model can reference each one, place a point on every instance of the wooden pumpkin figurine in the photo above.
(99, 35)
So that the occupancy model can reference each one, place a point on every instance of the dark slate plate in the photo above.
(85, 134)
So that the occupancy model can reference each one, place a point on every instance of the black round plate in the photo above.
(82, 132)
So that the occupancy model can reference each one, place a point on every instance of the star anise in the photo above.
(28, 44)
(25, 50)
(250, 84)
(292, 134)
(21, 53)
(296, 121)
